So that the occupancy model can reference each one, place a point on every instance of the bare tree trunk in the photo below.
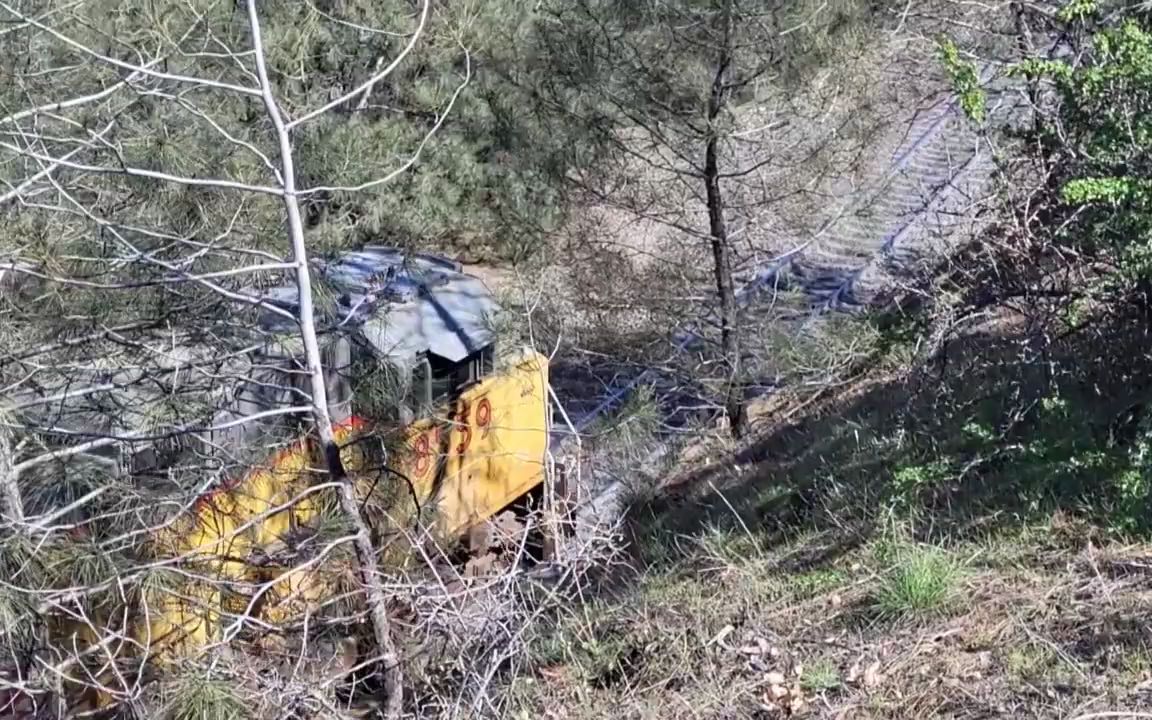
(365, 554)
(11, 504)
(718, 230)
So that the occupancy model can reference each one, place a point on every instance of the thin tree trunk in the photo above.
(11, 504)
(365, 552)
(718, 230)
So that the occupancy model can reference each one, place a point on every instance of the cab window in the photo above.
(434, 381)
(478, 366)
(421, 395)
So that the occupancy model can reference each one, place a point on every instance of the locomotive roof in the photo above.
(404, 304)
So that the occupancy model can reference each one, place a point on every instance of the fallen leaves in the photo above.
(779, 675)
(870, 677)
(782, 696)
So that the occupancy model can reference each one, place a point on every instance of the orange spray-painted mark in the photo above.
(483, 416)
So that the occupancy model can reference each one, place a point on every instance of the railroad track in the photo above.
(913, 212)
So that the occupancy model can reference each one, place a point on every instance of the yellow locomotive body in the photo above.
(467, 469)
(466, 437)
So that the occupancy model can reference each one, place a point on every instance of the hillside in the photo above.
(575, 359)
(914, 543)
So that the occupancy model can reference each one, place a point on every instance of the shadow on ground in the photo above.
(1003, 427)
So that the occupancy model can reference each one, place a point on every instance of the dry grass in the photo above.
(880, 553)
(1036, 636)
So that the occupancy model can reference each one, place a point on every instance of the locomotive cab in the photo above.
(413, 351)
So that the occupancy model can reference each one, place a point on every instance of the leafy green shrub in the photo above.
(965, 81)
(1131, 486)
(910, 479)
(1098, 141)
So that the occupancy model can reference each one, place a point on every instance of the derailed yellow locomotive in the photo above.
(460, 434)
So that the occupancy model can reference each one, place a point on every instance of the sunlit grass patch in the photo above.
(919, 579)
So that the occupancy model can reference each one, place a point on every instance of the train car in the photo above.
(443, 424)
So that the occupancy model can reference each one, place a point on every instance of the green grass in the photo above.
(1035, 663)
(598, 644)
(1135, 667)
(816, 582)
(921, 579)
(820, 676)
(734, 546)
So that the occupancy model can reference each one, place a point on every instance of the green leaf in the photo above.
(965, 81)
